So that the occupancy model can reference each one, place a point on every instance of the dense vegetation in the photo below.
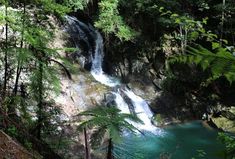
(185, 49)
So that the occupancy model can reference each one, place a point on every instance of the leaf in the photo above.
(174, 15)
(220, 63)
(194, 35)
(215, 45)
(225, 41)
(108, 119)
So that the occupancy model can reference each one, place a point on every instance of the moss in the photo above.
(232, 110)
(95, 89)
(224, 124)
(158, 118)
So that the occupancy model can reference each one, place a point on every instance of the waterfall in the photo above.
(121, 104)
(141, 107)
(142, 110)
(97, 61)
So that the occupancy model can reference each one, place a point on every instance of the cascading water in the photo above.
(97, 60)
(141, 108)
(142, 111)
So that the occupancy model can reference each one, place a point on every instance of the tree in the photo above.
(110, 22)
(108, 120)
(26, 51)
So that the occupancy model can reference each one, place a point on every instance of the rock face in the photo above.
(9, 149)
(80, 93)
(226, 120)
(224, 124)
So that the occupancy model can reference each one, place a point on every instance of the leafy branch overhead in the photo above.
(109, 21)
(220, 61)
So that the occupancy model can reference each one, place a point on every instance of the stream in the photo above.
(183, 141)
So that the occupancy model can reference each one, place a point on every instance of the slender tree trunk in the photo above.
(6, 53)
(222, 22)
(87, 146)
(18, 70)
(110, 149)
(182, 39)
(40, 100)
(185, 38)
(4, 91)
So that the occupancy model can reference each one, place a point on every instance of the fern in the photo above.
(220, 62)
(109, 120)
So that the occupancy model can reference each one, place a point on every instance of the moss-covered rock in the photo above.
(224, 124)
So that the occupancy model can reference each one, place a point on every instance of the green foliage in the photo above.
(52, 7)
(107, 120)
(12, 131)
(189, 29)
(28, 145)
(76, 4)
(158, 118)
(30, 74)
(110, 21)
(220, 62)
(229, 142)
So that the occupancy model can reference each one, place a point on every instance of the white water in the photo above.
(142, 111)
(121, 104)
(140, 106)
(96, 68)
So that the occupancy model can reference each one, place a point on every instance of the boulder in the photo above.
(109, 99)
(224, 124)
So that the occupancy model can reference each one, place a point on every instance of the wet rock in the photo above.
(109, 99)
(224, 124)
(215, 109)
(229, 115)
(224, 119)
(129, 103)
(157, 84)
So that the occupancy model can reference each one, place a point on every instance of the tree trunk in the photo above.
(6, 53)
(40, 98)
(18, 70)
(182, 41)
(222, 23)
(110, 149)
(87, 146)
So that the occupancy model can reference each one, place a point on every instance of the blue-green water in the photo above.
(181, 141)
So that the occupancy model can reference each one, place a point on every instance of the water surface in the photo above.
(181, 141)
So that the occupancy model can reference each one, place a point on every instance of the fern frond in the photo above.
(110, 120)
(220, 62)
